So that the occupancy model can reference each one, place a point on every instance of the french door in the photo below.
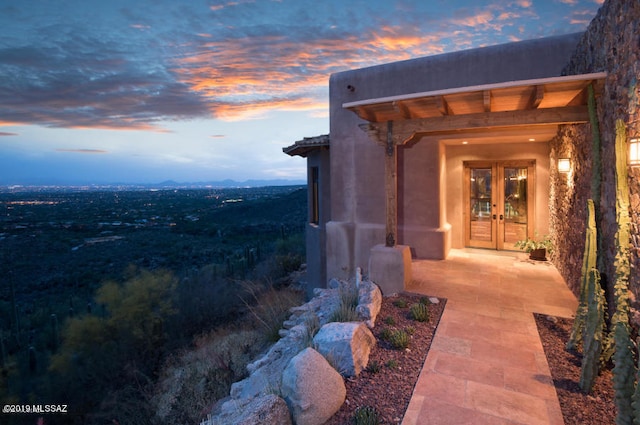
(499, 207)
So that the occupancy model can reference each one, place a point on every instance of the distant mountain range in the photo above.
(230, 183)
(168, 184)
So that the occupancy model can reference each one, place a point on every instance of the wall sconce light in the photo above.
(634, 152)
(564, 165)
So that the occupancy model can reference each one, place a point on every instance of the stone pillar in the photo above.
(390, 267)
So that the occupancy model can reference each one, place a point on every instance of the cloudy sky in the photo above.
(141, 91)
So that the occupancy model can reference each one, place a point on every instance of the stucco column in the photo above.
(390, 264)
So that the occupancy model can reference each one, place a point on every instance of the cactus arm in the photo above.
(588, 262)
(594, 332)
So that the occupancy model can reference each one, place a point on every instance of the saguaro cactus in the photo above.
(588, 262)
(594, 331)
(635, 399)
(623, 374)
(624, 368)
(621, 263)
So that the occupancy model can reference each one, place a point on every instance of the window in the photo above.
(314, 212)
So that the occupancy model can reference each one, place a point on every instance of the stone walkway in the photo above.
(486, 364)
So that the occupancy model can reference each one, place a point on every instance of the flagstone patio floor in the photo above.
(486, 364)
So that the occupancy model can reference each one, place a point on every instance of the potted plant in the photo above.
(537, 247)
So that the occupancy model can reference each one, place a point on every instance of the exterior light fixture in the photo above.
(564, 165)
(634, 152)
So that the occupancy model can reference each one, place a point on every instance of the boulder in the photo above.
(345, 345)
(313, 390)
(267, 409)
(369, 302)
(264, 373)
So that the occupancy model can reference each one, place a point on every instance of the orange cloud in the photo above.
(245, 78)
(483, 18)
(524, 3)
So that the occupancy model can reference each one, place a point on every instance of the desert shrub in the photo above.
(366, 415)
(205, 300)
(425, 300)
(400, 303)
(270, 307)
(194, 379)
(389, 320)
(374, 367)
(349, 295)
(410, 330)
(312, 326)
(419, 312)
(399, 339)
(385, 334)
(348, 301)
(127, 341)
(289, 255)
(344, 313)
(283, 265)
(392, 363)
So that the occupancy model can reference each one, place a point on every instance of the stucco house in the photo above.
(466, 149)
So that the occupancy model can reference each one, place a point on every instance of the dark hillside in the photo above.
(129, 280)
(55, 240)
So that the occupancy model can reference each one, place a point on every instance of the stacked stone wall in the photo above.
(569, 193)
(611, 44)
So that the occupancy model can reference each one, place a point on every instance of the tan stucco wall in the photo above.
(357, 163)
(456, 155)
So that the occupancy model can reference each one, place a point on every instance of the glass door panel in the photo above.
(498, 203)
(516, 205)
(481, 229)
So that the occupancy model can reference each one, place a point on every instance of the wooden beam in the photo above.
(570, 115)
(486, 98)
(401, 107)
(579, 99)
(365, 113)
(406, 130)
(443, 106)
(536, 97)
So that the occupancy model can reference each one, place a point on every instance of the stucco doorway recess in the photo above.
(499, 206)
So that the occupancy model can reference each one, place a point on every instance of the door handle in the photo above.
(501, 217)
(494, 216)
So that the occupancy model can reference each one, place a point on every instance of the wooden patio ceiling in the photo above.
(491, 111)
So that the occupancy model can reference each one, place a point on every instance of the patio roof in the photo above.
(491, 111)
(306, 145)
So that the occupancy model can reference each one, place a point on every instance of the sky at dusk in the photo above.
(142, 91)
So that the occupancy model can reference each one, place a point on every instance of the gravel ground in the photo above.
(597, 408)
(388, 385)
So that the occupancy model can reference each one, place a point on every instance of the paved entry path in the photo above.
(486, 364)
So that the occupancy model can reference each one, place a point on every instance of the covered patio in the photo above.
(459, 131)
(486, 364)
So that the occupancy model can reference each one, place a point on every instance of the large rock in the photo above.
(268, 409)
(369, 302)
(265, 372)
(346, 346)
(313, 390)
